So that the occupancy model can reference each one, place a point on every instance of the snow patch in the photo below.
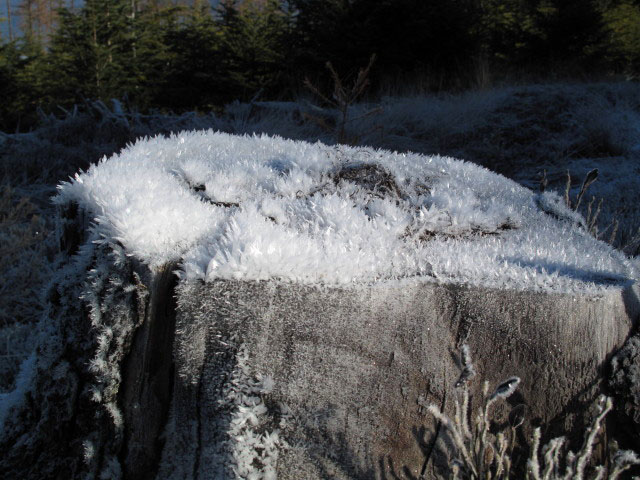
(259, 207)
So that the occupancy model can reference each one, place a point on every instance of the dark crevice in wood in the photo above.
(196, 463)
(73, 229)
(148, 379)
(224, 204)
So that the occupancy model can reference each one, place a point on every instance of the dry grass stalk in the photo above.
(544, 182)
(631, 246)
(567, 189)
(591, 219)
(592, 215)
(588, 180)
(591, 177)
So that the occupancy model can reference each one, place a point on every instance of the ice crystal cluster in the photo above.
(74, 377)
(259, 207)
(253, 449)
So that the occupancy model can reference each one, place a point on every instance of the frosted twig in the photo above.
(623, 460)
(484, 456)
(533, 467)
(599, 473)
(456, 436)
(468, 371)
(591, 221)
(587, 448)
(567, 189)
(465, 413)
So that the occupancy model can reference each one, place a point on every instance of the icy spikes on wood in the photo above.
(365, 227)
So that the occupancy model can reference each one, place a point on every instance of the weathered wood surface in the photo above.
(357, 366)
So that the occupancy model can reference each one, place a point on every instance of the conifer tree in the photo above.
(622, 28)
(71, 64)
(252, 46)
(9, 58)
(191, 75)
(21, 83)
(539, 34)
(92, 52)
(9, 20)
(408, 36)
(153, 56)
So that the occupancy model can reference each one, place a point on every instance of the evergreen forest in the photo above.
(176, 56)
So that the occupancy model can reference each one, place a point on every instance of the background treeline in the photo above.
(186, 55)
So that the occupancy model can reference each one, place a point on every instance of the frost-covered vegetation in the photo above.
(31, 166)
(477, 451)
(183, 54)
(26, 263)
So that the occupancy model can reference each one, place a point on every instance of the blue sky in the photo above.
(4, 28)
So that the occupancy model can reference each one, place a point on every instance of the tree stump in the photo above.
(142, 373)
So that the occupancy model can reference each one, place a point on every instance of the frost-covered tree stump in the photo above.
(251, 307)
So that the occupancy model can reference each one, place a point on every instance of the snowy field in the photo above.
(519, 132)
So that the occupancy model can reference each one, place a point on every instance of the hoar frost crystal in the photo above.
(259, 207)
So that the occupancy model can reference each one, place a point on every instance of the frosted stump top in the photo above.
(259, 207)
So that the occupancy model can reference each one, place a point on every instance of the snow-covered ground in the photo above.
(249, 207)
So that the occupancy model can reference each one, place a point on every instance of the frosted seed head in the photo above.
(434, 410)
(506, 388)
(89, 451)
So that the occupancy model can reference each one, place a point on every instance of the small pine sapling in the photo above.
(342, 98)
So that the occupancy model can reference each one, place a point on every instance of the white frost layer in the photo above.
(263, 207)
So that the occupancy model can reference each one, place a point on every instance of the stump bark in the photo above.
(356, 367)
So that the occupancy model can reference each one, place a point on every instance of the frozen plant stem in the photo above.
(478, 454)
(576, 466)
